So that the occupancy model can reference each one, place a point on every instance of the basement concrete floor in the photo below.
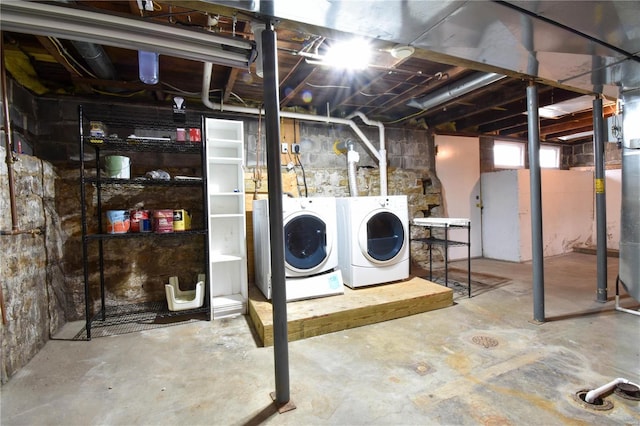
(433, 368)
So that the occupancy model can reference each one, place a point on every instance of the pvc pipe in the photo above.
(382, 153)
(379, 155)
(593, 394)
(352, 159)
(206, 82)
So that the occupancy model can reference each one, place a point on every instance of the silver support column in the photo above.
(278, 290)
(536, 202)
(601, 204)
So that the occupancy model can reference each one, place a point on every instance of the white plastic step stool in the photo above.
(179, 300)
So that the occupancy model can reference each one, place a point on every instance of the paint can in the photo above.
(118, 221)
(162, 221)
(194, 135)
(140, 221)
(117, 166)
(181, 220)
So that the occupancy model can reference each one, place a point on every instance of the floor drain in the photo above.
(599, 404)
(627, 391)
(422, 368)
(485, 341)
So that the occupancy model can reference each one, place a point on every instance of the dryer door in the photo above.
(382, 237)
(305, 243)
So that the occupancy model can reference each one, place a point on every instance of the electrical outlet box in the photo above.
(295, 148)
(284, 148)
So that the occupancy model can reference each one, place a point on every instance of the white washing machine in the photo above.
(373, 243)
(310, 247)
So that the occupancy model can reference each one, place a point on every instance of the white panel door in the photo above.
(458, 168)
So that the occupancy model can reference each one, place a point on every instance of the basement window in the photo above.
(508, 155)
(549, 157)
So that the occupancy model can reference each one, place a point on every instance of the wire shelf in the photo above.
(131, 318)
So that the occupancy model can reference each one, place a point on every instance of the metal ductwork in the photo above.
(95, 56)
(630, 209)
(462, 87)
(97, 59)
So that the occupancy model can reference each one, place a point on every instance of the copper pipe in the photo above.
(8, 137)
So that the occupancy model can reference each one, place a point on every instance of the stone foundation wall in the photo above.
(31, 265)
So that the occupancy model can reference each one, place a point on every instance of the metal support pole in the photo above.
(278, 290)
(536, 202)
(601, 200)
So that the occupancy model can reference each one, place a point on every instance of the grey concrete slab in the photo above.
(480, 361)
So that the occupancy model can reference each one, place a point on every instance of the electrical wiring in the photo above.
(64, 54)
(318, 86)
(304, 177)
(118, 95)
(403, 118)
(299, 163)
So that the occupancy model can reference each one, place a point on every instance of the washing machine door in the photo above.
(381, 237)
(305, 243)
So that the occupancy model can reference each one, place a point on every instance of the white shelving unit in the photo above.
(226, 210)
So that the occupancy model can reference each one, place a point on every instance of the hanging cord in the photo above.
(297, 157)
(257, 173)
(304, 178)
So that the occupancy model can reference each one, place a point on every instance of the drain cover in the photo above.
(484, 341)
(598, 405)
(627, 391)
(422, 368)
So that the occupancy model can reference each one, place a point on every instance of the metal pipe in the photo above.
(8, 138)
(454, 90)
(536, 202)
(276, 225)
(601, 200)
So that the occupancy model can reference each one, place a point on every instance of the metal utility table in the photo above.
(446, 223)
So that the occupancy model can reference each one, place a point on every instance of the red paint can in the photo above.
(140, 221)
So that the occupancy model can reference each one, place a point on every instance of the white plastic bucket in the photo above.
(117, 166)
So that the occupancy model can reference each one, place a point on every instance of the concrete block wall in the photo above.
(581, 155)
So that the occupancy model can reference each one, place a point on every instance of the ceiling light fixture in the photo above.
(560, 109)
(402, 51)
(354, 54)
(576, 135)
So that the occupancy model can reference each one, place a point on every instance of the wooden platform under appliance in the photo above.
(354, 308)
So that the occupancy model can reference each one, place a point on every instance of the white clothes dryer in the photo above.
(310, 247)
(373, 239)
